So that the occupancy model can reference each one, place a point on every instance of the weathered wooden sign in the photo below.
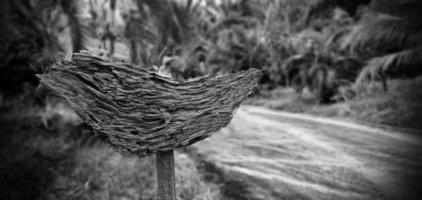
(141, 112)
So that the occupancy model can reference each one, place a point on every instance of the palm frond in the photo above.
(332, 42)
(347, 68)
(171, 17)
(323, 6)
(405, 63)
(409, 9)
(298, 59)
(387, 33)
(168, 23)
(232, 21)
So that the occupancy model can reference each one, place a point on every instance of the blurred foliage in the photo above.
(68, 162)
(34, 35)
(320, 45)
(326, 49)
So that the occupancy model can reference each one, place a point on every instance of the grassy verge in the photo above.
(59, 163)
(401, 106)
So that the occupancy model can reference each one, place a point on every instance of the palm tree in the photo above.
(395, 38)
(32, 32)
(42, 18)
(390, 40)
(160, 26)
(76, 28)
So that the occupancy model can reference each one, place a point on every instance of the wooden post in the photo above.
(165, 176)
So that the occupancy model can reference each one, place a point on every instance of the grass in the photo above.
(62, 162)
(281, 99)
(401, 106)
(57, 163)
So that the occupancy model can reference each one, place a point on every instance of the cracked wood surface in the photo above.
(141, 112)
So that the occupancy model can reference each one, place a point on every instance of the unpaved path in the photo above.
(277, 155)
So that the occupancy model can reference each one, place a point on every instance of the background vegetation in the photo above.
(357, 59)
(327, 47)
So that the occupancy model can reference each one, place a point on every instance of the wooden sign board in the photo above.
(141, 112)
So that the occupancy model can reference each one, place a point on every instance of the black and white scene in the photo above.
(210, 99)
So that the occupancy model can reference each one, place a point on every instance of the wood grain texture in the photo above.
(166, 178)
(141, 112)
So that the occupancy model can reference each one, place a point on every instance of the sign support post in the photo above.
(165, 175)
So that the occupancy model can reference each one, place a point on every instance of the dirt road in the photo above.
(267, 155)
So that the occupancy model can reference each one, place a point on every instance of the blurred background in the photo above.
(357, 60)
